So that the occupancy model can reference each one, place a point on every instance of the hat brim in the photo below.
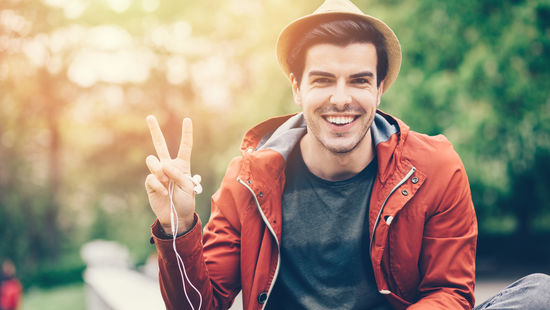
(295, 30)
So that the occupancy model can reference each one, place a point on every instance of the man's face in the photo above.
(338, 94)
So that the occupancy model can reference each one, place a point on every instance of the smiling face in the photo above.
(338, 95)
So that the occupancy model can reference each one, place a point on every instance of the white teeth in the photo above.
(340, 120)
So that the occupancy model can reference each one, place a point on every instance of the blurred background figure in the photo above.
(10, 288)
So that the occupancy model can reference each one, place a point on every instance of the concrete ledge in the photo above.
(119, 289)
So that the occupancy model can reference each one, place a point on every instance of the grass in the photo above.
(61, 297)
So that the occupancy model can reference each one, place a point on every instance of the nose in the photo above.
(340, 96)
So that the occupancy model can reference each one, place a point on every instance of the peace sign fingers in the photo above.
(183, 160)
(166, 171)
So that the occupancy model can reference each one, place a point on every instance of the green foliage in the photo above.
(479, 73)
(62, 297)
(58, 273)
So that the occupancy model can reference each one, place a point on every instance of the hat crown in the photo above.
(342, 6)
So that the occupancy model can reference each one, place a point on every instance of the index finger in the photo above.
(158, 138)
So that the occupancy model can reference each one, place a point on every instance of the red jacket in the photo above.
(421, 221)
(10, 294)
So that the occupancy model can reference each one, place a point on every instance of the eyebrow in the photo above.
(353, 76)
(362, 74)
(320, 73)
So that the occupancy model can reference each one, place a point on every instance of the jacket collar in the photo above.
(281, 134)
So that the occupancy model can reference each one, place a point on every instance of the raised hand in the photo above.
(164, 170)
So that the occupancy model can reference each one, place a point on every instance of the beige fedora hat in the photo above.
(330, 9)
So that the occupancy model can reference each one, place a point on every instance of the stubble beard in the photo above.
(339, 150)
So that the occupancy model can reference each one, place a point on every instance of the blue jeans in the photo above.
(529, 293)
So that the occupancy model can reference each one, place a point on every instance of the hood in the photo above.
(281, 134)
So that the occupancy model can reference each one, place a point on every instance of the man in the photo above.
(338, 207)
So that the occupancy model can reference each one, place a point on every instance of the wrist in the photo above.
(183, 226)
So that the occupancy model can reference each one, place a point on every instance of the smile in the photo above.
(341, 119)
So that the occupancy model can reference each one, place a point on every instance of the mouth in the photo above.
(340, 120)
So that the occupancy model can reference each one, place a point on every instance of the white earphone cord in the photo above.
(174, 225)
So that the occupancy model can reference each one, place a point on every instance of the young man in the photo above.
(338, 207)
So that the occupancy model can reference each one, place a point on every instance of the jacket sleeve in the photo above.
(190, 249)
(213, 269)
(447, 259)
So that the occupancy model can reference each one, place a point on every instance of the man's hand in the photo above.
(165, 170)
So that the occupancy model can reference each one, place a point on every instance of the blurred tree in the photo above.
(30, 133)
(479, 72)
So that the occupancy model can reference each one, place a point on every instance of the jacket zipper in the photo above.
(264, 218)
(409, 174)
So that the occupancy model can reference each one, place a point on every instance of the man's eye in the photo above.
(321, 81)
(360, 81)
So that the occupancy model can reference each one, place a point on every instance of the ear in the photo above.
(380, 92)
(295, 90)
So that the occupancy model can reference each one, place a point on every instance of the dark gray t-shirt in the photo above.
(324, 244)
